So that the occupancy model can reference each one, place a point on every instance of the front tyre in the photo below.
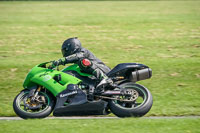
(136, 105)
(25, 109)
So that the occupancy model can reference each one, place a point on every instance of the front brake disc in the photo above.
(31, 105)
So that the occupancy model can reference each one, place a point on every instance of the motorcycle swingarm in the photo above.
(114, 92)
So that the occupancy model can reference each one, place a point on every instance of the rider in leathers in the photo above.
(73, 52)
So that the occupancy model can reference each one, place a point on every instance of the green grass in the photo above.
(164, 35)
(131, 125)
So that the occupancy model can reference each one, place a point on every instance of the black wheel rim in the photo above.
(22, 107)
(142, 98)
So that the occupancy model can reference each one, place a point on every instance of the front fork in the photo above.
(34, 93)
(37, 91)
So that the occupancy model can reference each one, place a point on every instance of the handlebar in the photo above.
(53, 67)
(50, 66)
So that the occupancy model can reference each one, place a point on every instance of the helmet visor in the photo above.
(65, 52)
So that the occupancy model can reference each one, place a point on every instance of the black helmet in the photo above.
(70, 46)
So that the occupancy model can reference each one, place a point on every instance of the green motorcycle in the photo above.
(69, 92)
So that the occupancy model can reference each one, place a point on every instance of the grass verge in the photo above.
(128, 125)
(164, 35)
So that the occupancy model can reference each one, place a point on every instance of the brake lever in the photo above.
(57, 68)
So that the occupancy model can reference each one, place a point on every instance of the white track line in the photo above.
(93, 117)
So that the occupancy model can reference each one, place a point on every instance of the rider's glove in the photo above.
(61, 61)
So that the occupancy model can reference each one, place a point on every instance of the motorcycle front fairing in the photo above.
(40, 75)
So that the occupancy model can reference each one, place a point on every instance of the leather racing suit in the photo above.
(96, 68)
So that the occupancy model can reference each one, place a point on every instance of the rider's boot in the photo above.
(104, 81)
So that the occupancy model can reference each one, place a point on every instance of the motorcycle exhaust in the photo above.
(140, 74)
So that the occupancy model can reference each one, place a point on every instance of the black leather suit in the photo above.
(97, 67)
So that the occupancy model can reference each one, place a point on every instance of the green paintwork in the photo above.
(76, 68)
(39, 75)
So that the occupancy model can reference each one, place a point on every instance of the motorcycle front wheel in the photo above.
(136, 105)
(26, 109)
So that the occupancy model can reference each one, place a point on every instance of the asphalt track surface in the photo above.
(93, 117)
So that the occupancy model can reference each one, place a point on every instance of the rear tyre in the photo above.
(142, 101)
(24, 109)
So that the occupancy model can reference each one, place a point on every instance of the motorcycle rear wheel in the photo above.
(24, 112)
(138, 108)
